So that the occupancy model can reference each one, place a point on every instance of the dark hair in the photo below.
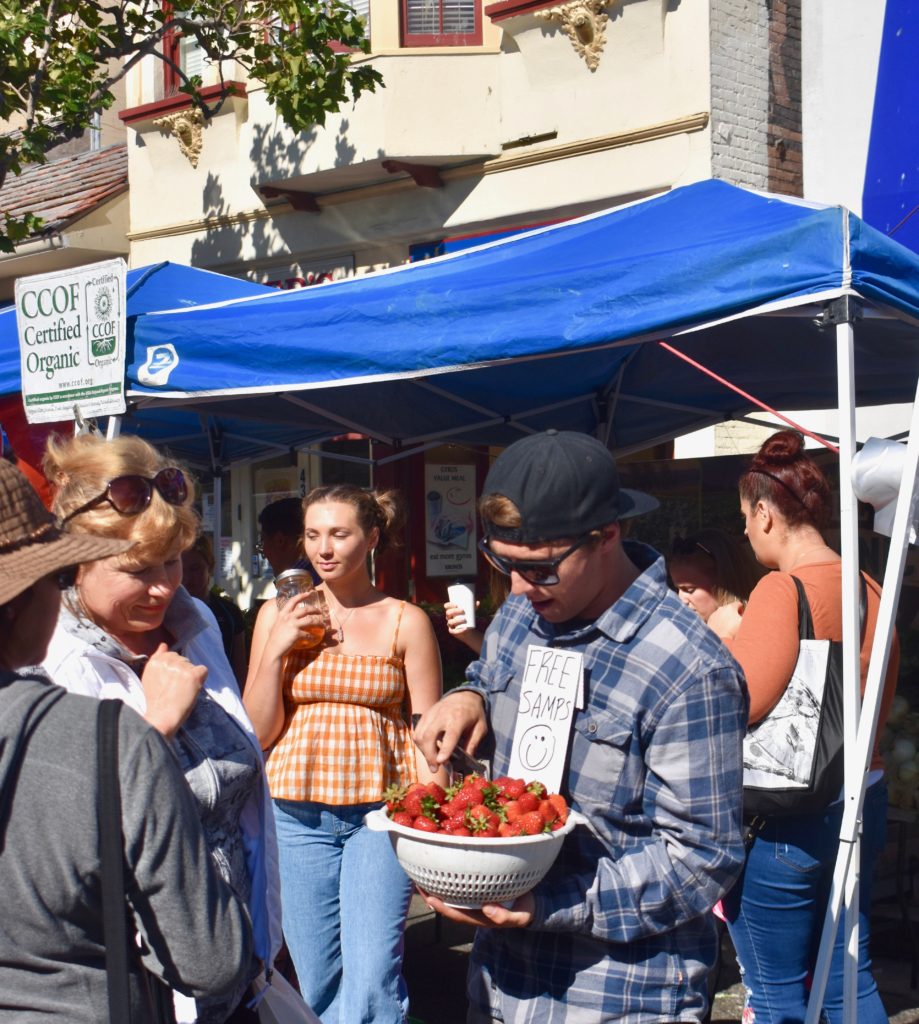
(203, 547)
(380, 509)
(728, 561)
(791, 481)
(282, 516)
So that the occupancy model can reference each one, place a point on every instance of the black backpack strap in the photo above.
(111, 849)
(805, 620)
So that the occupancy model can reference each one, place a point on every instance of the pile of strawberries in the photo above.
(477, 807)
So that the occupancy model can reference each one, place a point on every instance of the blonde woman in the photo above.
(129, 630)
(334, 717)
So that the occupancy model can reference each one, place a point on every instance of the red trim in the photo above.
(514, 8)
(473, 38)
(170, 104)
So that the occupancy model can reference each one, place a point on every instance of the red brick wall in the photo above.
(783, 131)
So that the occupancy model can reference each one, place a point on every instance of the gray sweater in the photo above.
(196, 934)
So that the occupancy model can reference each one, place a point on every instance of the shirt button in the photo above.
(592, 727)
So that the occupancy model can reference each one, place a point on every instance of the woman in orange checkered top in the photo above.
(335, 720)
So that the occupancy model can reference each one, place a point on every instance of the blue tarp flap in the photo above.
(556, 327)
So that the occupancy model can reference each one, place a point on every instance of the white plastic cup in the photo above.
(463, 595)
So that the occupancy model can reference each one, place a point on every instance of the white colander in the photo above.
(465, 872)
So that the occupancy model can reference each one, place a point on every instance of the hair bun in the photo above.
(780, 449)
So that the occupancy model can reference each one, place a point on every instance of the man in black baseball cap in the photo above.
(653, 763)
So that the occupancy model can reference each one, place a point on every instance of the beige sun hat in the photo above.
(32, 544)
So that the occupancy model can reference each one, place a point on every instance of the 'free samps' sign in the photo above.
(71, 326)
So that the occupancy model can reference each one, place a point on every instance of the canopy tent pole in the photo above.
(113, 428)
(859, 759)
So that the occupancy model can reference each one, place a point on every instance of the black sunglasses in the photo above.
(541, 572)
(131, 494)
(67, 578)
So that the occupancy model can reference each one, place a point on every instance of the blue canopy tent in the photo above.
(552, 328)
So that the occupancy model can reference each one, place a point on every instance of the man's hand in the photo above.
(458, 718)
(492, 915)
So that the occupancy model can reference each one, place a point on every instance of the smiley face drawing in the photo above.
(536, 747)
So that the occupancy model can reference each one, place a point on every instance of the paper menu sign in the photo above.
(551, 689)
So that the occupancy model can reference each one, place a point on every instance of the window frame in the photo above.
(172, 50)
(411, 39)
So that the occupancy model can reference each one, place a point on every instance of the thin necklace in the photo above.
(340, 634)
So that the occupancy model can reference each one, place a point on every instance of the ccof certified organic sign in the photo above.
(72, 341)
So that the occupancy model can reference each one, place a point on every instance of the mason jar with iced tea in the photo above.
(292, 583)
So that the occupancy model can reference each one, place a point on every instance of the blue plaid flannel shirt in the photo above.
(623, 929)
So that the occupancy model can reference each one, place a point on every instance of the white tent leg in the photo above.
(859, 757)
(113, 427)
(854, 780)
(218, 550)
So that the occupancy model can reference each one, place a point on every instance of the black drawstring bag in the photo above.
(118, 951)
(793, 758)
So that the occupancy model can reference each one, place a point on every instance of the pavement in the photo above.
(436, 953)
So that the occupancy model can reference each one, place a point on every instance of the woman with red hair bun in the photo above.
(785, 500)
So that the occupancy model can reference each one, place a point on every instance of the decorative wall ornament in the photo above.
(584, 24)
(187, 126)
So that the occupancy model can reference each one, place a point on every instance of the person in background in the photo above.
(128, 630)
(775, 913)
(710, 568)
(621, 928)
(334, 718)
(196, 938)
(281, 536)
(197, 574)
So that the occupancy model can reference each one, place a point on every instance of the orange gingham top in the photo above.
(345, 737)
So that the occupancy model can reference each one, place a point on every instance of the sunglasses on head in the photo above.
(541, 572)
(131, 494)
(685, 546)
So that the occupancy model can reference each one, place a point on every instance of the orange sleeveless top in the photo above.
(345, 736)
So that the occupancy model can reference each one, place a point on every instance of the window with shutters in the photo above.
(441, 22)
(185, 53)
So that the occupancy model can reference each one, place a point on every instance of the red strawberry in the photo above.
(560, 804)
(528, 801)
(403, 818)
(510, 828)
(419, 802)
(425, 824)
(393, 796)
(513, 810)
(491, 832)
(531, 824)
(436, 792)
(481, 818)
(538, 789)
(547, 811)
(512, 788)
(459, 830)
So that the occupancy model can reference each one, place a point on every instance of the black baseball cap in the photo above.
(564, 484)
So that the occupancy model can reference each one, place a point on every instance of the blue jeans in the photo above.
(344, 900)
(775, 915)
